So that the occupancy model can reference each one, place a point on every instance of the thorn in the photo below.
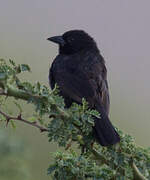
(7, 121)
(42, 130)
(69, 145)
(52, 116)
(19, 116)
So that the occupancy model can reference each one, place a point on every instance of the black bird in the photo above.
(80, 72)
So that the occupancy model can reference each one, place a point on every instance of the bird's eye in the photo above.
(70, 40)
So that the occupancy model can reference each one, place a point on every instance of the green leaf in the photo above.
(32, 119)
(12, 62)
(51, 169)
(25, 67)
(13, 124)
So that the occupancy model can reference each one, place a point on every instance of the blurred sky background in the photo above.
(121, 30)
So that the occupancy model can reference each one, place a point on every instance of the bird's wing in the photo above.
(84, 81)
(100, 78)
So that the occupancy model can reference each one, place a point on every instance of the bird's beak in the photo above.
(57, 39)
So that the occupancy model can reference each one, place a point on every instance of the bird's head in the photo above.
(74, 41)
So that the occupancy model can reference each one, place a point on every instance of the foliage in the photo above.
(72, 166)
(74, 125)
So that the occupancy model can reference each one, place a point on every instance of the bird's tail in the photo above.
(104, 131)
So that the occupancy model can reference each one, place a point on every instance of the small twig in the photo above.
(137, 174)
(69, 144)
(98, 156)
(19, 118)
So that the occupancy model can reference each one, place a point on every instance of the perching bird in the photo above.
(80, 72)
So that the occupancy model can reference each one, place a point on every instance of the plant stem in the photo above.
(19, 118)
(137, 173)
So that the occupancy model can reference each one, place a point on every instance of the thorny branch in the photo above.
(19, 118)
